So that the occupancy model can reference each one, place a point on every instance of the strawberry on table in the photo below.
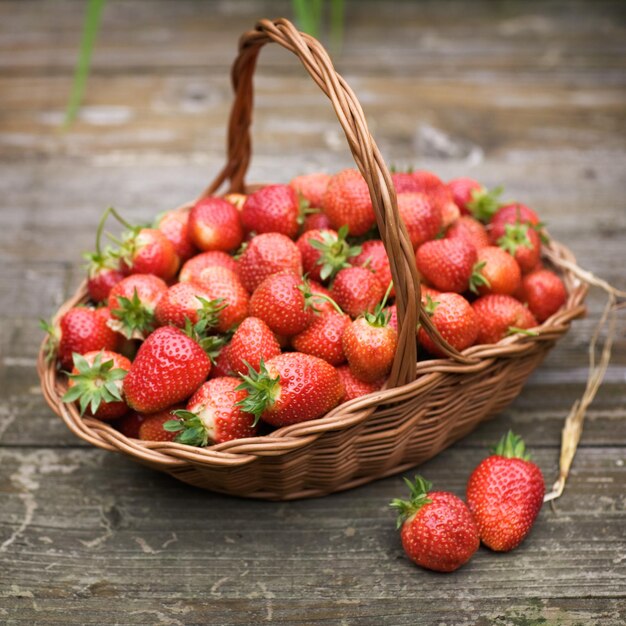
(496, 271)
(505, 493)
(447, 264)
(252, 343)
(544, 292)
(323, 337)
(311, 187)
(470, 229)
(353, 387)
(347, 202)
(499, 316)
(272, 209)
(438, 531)
(193, 268)
(175, 226)
(523, 243)
(151, 427)
(357, 290)
(215, 224)
(421, 216)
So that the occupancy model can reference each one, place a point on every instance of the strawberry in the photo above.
(323, 337)
(148, 251)
(311, 187)
(215, 224)
(455, 320)
(373, 257)
(515, 213)
(221, 365)
(168, 368)
(505, 493)
(252, 343)
(282, 303)
(96, 384)
(291, 388)
(188, 301)
(193, 268)
(151, 427)
(447, 264)
(523, 243)
(213, 415)
(370, 345)
(316, 220)
(357, 290)
(483, 203)
(544, 292)
(438, 194)
(500, 315)
(462, 190)
(405, 183)
(129, 424)
(132, 303)
(103, 273)
(347, 201)
(422, 217)
(272, 209)
(325, 252)
(267, 254)
(175, 226)
(80, 330)
(496, 271)
(353, 387)
(392, 315)
(438, 531)
(470, 229)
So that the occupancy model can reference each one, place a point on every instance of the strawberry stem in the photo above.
(515, 235)
(418, 497)
(485, 203)
(263, 390)
(477, 279)
(335, 252)
(190, 427)
(511, 446)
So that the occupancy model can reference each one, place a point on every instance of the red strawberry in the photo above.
(322, 301)
(168, 368)
(438, 194)
(188, 301)
(213, 415)
(267, 254)
(392, 313)
(499, 316)
(272, 209)
(438, 531)
(481, 203)
(221, 366)
(148, 251)
(129, 424)
(96, 384)
(447, 264)
(291, 388)
(370, 345)
(316, 221)
(515, 213)
(496, 271)
(323, 337)
(462, 190)
(455, 320)
(347, 201)
(356, 290)
(132, 303)
(422, 218)
(311, 187)
(80, 330)
(544, 292)
(193, 268)
(175, 226)
(281, 302)
(523, 243)
(215, 224)
(252, 343)
(151, 427)
(405, 183)
(103, 273)
(373, 257)
(505, 493)
(325, 252)
(470, 229)
(353, 387)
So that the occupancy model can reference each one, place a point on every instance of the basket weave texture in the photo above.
(424, 407)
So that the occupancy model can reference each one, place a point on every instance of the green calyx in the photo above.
(209, 311)
(477, 279)
(485, 203)
(304, 209)
(99, 232)
(380, 317)
(515, 236)
(262, 390)
(312, 300)
(200, 333)
(101, 260)
(430, 306)
(511, 446)
(190, 428)
(136, 320)
(54, 336)
(335, 252)
(418, 497)
(94, 384)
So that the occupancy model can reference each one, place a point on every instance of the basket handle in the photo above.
(367, 157)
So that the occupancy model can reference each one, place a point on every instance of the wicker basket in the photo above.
(425, 407)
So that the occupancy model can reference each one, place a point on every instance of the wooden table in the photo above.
(527, 95)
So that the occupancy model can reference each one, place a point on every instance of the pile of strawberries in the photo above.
(251, 312)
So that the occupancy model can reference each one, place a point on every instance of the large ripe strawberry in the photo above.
(438, 531)
(462, 190)
(272, 209)
(213, 415)
(132, 303)
(323, 337)
(215, 224)
(148, 251)
(188, 301)
(422, 217)
(447, 264)
(325, 252)
(505, 493)
(291, 388)
(175, 226)
(357, 290)
(151, 427)
(252, 343)
(373, 257)
(347, 202)
(268, 254)
(353, 387)
(500, 315)
(369, 344)
(496, 271)
(455, 320)
(80, 330)
(405, 183)
(281, 302)
(311, 187)
(544, 292)
(168, 368)
(193, 268)
(438, 194)
(523, 243)
(95, 384)
(515, 213)
(103, 273)
(474, 199)
(316, 220)
(470, 229)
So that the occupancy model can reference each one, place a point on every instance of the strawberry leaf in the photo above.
(418, 497)
(134, 316)
(511, 446)
(485, 203)
(261, 388)
(191, 428)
